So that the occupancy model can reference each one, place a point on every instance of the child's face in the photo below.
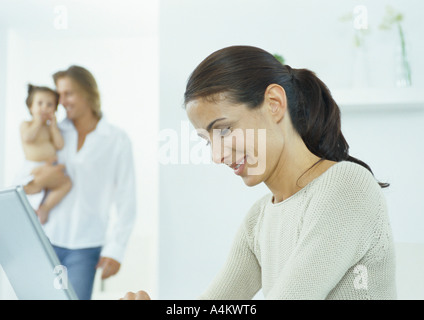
(43, 105)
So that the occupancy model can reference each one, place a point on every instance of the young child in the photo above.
(41, 138)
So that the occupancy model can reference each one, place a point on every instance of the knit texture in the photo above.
(330, 240)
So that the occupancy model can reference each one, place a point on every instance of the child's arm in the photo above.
(30, 130)
(57, 138)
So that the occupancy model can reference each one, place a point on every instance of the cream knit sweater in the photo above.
(330, 240)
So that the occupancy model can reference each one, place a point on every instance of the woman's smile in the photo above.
(239, 166)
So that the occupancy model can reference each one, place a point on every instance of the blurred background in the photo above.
(118, 42)
(142, 53)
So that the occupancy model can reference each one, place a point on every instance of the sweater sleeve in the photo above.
(240, 277)
(336, 233)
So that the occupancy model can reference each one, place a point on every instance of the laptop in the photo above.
(26, 255)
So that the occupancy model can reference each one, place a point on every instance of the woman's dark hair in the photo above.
(32, 90)
(245, 72)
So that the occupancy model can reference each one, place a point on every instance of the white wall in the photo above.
(201, 206)
(3, 54)
(109, 39)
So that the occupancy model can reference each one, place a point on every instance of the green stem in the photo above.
(404, 60)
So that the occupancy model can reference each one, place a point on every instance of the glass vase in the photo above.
(402, 66)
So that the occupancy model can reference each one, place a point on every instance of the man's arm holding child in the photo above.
(47, 176)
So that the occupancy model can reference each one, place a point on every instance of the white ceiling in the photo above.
(97, 18)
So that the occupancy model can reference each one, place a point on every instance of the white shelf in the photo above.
(379, 99)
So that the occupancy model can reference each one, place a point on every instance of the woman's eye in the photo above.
(226, 131)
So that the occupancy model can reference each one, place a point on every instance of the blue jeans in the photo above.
(81, 267)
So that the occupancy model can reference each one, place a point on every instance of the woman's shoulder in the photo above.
(252, 218)
(257, 208)
(260, 203)
(347, 175)
(347, 187)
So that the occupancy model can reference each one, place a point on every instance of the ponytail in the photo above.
(316, 117)
(245, 72)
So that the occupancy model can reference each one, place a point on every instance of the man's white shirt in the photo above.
(103, 178)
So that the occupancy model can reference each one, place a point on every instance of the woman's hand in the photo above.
(139, 295)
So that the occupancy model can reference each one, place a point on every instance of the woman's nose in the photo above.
(220, 154)
(217, 158)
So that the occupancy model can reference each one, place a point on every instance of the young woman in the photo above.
(323, 232)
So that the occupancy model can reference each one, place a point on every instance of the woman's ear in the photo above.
(276, 101)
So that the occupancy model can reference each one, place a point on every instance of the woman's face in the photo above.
(245, 139)
(73, 98)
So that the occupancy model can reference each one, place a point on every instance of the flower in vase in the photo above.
(393, 19)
